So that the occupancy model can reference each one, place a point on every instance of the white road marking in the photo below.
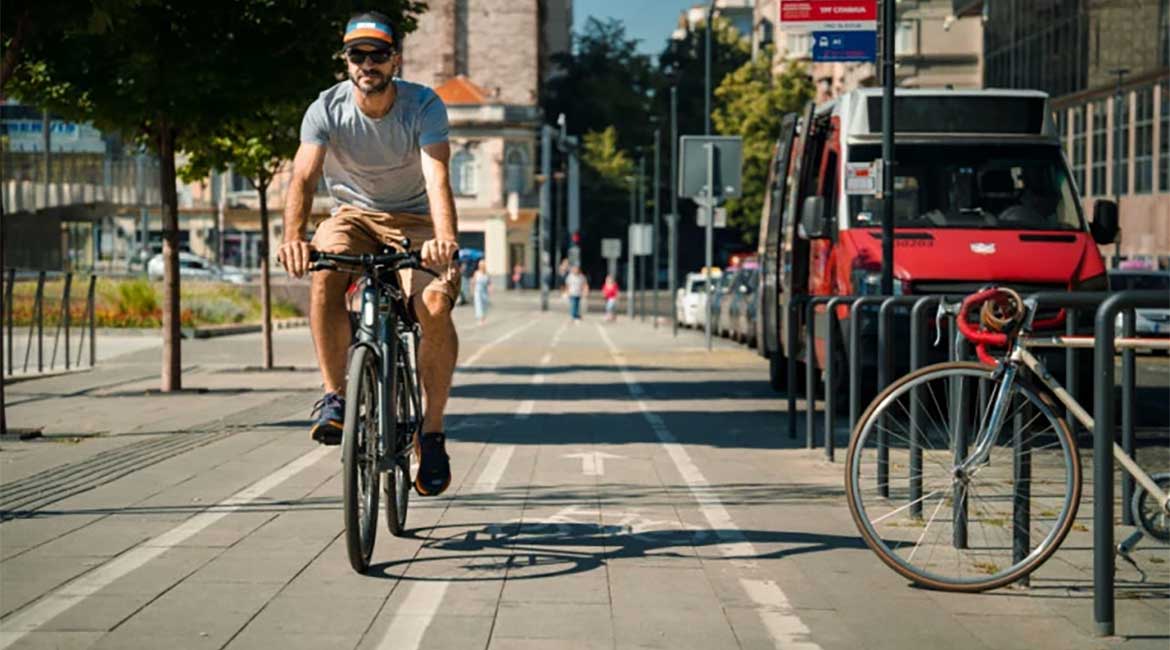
(786, 628)
(491, 344)
(490, 477)
(42, 611)
(779, 617)
(414, 616)
(592, 462)
(527, 406)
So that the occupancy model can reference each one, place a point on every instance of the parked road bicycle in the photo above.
(963, 476)
(383, 399)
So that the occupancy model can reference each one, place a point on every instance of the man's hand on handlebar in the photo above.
(294, 255)
(439, 252)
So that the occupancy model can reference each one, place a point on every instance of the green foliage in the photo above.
(255, 145)
(602, 156)
(751, 104)
(136, 297)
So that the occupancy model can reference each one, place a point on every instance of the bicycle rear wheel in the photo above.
(359, 455)
(396, 488)
(955, 529)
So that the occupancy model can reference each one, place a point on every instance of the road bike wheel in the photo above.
(1148, 513)
(396, 488)
(360, 458)
(950, 529)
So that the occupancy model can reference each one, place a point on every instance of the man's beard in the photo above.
(376, 89)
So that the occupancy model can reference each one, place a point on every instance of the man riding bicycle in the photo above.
(382, 144)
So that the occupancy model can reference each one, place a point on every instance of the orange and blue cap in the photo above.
(370, 29)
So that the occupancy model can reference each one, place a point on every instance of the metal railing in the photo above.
(1103, 306)
(71, 356)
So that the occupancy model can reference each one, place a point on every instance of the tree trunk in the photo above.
(265, 281)
(171, 358)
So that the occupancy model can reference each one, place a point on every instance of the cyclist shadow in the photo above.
(546, 549)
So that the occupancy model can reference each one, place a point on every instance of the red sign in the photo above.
(827, 15)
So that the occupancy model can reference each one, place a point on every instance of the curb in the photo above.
(215, 331)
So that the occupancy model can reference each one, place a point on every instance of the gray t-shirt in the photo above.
(375, 164)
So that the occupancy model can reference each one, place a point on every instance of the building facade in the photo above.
(1106, 65)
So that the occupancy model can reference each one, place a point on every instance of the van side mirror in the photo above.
(1105, 223)
(812, 218)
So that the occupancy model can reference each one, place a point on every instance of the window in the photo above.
(1143, 148)
(1121, 145)
(463, 172)
(799, 46)
(240, 183)
(1078, 147)
(1164, 146)
(516, 170)
(1100, 134)
(906, 38)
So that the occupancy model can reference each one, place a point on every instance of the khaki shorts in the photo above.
(355, 231)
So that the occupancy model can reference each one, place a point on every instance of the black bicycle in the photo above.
(383, 399)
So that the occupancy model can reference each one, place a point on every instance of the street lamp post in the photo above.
(630, 288)
(673, 219)
(657, 218)
(1118, 106)
(641, 259)
(707, 69)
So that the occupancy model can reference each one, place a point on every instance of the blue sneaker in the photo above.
(434, 466)
(329, 412)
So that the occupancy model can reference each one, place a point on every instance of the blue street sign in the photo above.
(844, 46)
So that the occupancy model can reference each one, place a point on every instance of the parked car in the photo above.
(690, 300)
(191, 266)
(737, 286)
(743, 310)
(720, 299)
(1147, 322)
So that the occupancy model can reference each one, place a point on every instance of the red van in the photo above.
(983, 194)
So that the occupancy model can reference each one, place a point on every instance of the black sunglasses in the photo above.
(358, 57)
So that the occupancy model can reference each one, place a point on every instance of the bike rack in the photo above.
(1104, 351)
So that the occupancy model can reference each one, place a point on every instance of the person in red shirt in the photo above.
(610, 291)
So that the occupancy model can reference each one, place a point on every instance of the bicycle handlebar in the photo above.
(398, 260)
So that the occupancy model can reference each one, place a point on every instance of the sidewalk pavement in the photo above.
(614, 488)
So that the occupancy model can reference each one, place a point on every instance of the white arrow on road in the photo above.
(592, 462)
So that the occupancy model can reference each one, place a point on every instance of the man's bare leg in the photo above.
(438, 351)
(330, 327)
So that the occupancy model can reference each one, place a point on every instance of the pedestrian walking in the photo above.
(481, 286)
(610, 290)
(576, 288)
(517, 276)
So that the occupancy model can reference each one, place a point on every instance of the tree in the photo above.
(171, 72)
(255, 148)
(751, 104)
(602, 155)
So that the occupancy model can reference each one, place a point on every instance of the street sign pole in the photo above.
(889, 17)
(657, 218)
(673, 220)
(630, 289)
(542, 257)
(710, 246)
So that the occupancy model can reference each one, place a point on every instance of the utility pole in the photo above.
(641, 220)
(673, 219)
(1118, 107)
(630, 289)
(542, 253)
(707, 69)
(710, 239)
(657, 217)
(889, 16)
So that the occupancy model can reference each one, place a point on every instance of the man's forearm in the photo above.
(443, 211)
(296, 209)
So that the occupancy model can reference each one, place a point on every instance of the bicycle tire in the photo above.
(978, 560)
(397, 485)
(359, 463)
(1147, 513)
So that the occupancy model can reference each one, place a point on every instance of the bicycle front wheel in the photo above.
(936, 510)
(359, 455)
(396, 489)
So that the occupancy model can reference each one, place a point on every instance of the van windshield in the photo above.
(1019, 187)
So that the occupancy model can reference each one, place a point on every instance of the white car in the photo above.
(1147, 321)
(194, 267)
(690, 303)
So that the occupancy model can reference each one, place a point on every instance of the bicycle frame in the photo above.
(384, 325)
(1020, 355)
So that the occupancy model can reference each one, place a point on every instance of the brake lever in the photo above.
(944, 309)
